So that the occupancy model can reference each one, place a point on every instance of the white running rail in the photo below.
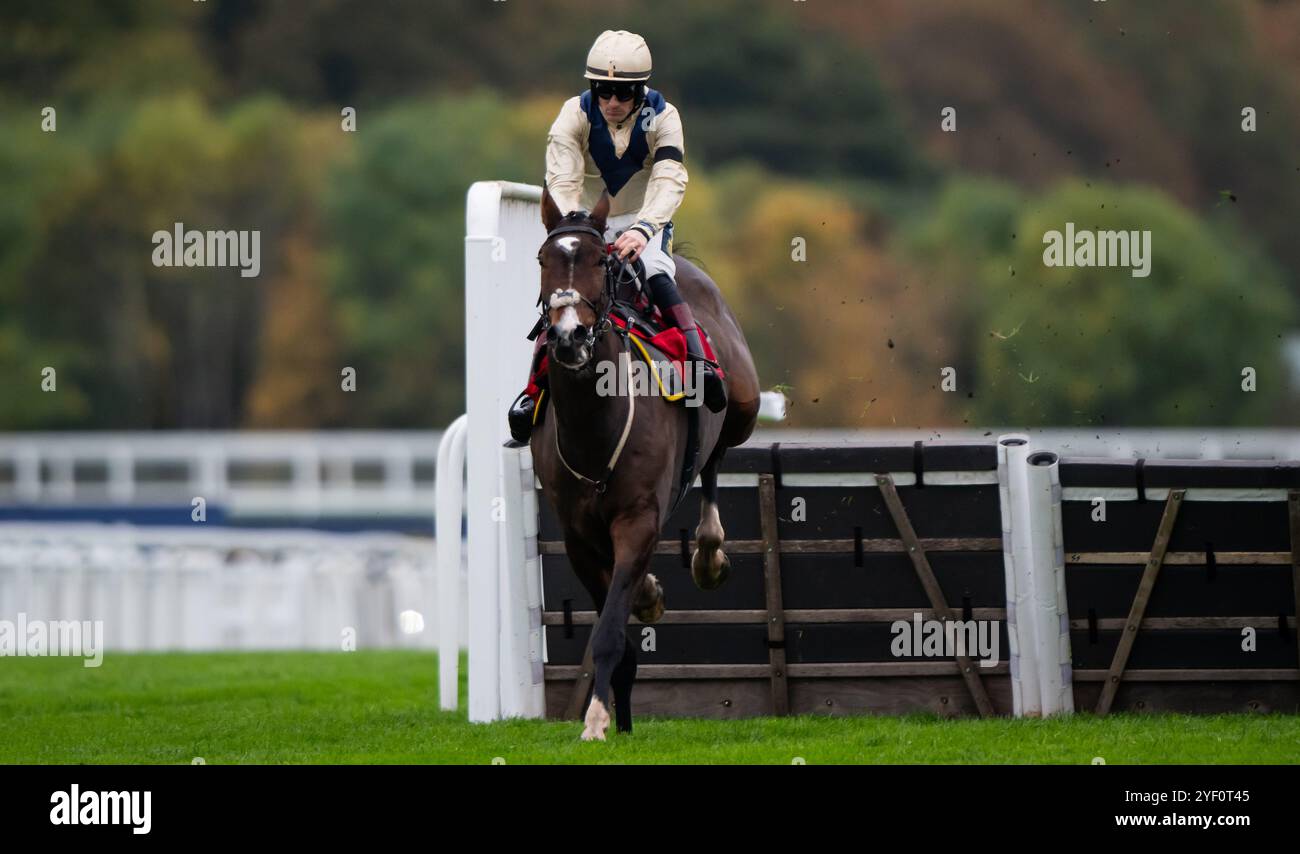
(213, 588)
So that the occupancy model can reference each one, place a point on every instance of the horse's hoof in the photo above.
(710, 573)
(597, 722)
(650, 612)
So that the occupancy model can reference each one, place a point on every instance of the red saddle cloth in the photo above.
(659, 343)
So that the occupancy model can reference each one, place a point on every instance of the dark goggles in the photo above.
(618, 91)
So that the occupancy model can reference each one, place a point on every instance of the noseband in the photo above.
(618, 271)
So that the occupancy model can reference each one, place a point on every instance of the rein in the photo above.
(603, 483)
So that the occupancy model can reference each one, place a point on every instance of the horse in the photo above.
(609, 464)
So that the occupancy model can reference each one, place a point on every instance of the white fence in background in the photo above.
(196, 589)
(251, 473)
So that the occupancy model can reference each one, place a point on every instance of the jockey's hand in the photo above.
(630, 244)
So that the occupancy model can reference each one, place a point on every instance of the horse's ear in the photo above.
(601, 212)
(550, 211)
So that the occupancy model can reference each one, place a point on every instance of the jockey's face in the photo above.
(615, 99)
(614, 110)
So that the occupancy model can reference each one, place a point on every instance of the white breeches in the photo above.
(658, 253)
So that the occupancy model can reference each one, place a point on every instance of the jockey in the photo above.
(622, 137)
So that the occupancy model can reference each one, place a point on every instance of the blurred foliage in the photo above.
(812, 122)
(148, 346)
(396, 210)
(1098, 346)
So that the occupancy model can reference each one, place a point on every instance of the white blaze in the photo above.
(569, 246)
(568, 321)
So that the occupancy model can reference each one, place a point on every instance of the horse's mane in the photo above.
(687, 251)
(578, 217)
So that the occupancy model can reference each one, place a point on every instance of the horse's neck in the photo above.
(589, 422)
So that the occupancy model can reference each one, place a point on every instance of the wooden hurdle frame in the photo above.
(732, 689)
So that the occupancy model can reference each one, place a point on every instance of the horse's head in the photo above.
(574, 293)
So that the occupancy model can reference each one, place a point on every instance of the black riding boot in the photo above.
(522, 412)
(521, 419)
(663, 290)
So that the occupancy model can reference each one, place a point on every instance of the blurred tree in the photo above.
(41, 175)
(396, 219)
(733, 82)
(298, 381)
(1275, 28)
(730, 78)
(963, 238)
(1092, 345)
(25, 402)
(829, 316)
(157, 346)
(171, 112)
(1033, 104)
(46, 44)
(1198, 69)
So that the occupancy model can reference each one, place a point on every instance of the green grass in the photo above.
(380, 707)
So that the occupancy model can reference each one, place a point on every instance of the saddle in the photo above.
(660, 346)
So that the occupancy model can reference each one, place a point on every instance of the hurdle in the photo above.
(1109, 584)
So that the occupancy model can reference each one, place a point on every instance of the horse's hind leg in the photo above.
(710, 565)
(634, 536)
(648, 604)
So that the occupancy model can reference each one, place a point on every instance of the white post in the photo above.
(306, 480)
(1051, 617)
(211, 473)
(523, 689)
(27, 473)
(62, 477)
(1016, 557)
(503, 232)
(533, 581)
(510, 644)
(449, 495)
(121, 474)
(399, 478)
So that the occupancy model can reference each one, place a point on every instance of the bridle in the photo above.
(616, 274)
(618, 271)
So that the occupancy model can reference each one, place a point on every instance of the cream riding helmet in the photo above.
(618, 65)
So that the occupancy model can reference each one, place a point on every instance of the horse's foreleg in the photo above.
(621, 681)
(710, 565)
(634, 539)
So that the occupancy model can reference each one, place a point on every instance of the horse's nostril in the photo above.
(551, 333)
(580, 333)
